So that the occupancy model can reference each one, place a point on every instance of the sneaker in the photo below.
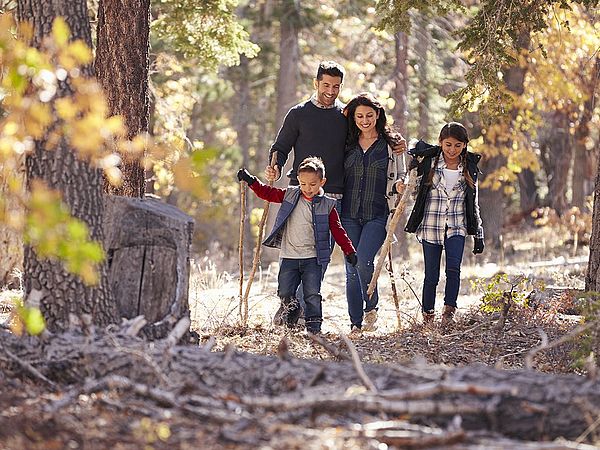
(355, 331)
(369, 321)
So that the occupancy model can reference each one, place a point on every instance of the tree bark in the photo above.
(556, 150)
(528, 196)
(121, 65)
(400, 111)
(59, 292)
(592, 277)
(422, 50)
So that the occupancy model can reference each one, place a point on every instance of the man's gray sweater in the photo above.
(314, 131)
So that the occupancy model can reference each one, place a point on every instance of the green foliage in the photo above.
(491, 41)
(28, 319)
(501, 292)
(206, 30)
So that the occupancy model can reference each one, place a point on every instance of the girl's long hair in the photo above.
(459, 132)
(367, 99)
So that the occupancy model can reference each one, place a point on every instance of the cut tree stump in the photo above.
(148, 249)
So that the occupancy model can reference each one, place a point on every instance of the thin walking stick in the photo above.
(390, 268)
(257, 250)
(243, 305)
(390, 232)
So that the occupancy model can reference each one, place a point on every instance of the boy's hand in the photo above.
(272, 173)
(478, 246)
(352, 259)
(244, 175)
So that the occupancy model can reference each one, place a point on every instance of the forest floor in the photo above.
(400, 336)
(475, 338)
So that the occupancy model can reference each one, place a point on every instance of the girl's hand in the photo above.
(478, 246)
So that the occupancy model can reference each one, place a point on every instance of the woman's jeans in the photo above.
(432, 253)
(307, 271)
(367, 238)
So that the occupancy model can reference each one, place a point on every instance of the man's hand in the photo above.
(244, 175)
(400, 146)
(478, 246)
(352, 259)
(272, 173)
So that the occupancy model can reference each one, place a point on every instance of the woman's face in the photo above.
(452, 148)
(365, 118)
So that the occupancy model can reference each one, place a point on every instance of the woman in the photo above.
(373, 174)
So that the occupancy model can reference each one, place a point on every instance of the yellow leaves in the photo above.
(60, 31)
(27, 319)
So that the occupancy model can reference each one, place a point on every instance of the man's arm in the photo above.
(285, 140)
(269, 193)
(339, 234)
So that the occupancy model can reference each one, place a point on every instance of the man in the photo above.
(316, 127)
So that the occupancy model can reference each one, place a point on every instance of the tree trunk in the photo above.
(400, 111)
(122, 69)
(556, 149)
(11, 241)
(528, 196)
(422, 49)
(287, 82)
(59, 292)
(592, 277)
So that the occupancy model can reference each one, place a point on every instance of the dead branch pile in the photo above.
(241, 399)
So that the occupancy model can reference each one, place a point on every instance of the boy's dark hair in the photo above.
(330, 68)
(312, 164)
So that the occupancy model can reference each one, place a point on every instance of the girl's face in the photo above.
(365, 118)
(451, 149)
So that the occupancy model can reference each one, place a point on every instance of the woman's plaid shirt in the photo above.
(445, 211)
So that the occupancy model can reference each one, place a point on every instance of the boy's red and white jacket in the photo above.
(325, 218)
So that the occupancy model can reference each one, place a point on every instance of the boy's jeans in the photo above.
(299, 293)
(367, 238)
(307, 271)
(432, 253)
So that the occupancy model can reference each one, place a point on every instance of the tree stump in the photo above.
(148, 250)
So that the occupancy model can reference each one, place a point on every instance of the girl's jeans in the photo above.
(432, 253)
(367, 238)
(307, 271)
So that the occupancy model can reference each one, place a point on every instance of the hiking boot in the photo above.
(369, 321)
(355, 332)
(448, 315)
(428, 317)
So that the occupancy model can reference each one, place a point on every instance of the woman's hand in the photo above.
(400, 146)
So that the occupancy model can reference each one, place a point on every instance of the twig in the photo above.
(243, 305)
(588, 430)
(390, 268)
(207, 347)
(332, 350)
(358, 365)
(257, 250)
(135, 325)
(29, 368)
(545, 345)
(390, 231)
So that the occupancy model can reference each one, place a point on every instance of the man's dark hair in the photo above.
(312, 164)
(330, 68)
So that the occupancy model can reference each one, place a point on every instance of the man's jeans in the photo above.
(367, 238)
(307, 271)
(454, 247)
(299, 292)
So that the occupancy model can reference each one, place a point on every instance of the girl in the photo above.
(446, 210)
(371, 170)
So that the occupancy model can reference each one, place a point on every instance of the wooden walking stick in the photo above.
(243, 189)
(390, 232)
(390, 269)
(257, 250)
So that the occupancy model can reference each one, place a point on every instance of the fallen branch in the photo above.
(391, 228)
(36, 374)
(358, 365)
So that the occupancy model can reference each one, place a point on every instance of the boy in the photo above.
(301, 232)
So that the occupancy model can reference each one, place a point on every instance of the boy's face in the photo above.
(310, 183)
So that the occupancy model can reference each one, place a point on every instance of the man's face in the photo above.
(328, 88)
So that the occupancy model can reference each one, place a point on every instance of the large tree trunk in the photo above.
(528, 195)
(592, 277)
(122, 69)
(58, 291)
(287, 83)
(422, 52)
(400, 111)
